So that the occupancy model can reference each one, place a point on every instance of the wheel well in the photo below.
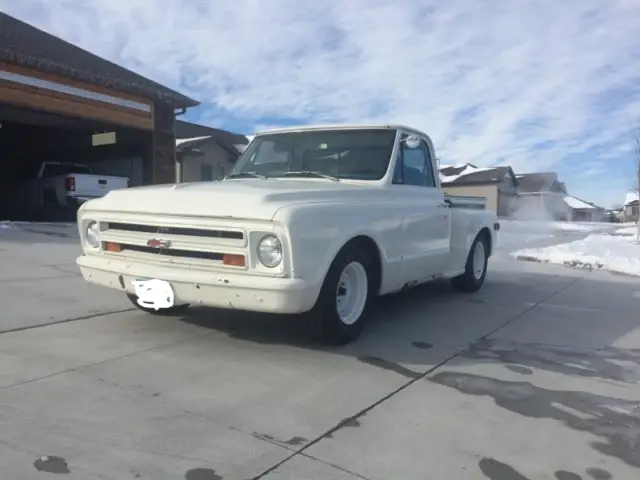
(371, 247)
(486, 233)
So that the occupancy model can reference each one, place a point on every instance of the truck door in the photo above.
(426, 226)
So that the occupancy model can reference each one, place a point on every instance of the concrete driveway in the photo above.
(534, 377)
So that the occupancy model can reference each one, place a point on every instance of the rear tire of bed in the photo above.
(476, 267)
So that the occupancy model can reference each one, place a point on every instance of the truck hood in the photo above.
(246, 198)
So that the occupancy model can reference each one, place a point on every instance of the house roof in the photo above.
(543, 182)
(536, 182)
(630, 197)
(191, 135)
(25, 45)
(577, 204)
(471, 175)
(188, 130)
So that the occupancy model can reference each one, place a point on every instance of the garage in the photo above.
(74, 126)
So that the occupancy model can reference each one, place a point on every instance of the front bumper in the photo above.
(208, 288)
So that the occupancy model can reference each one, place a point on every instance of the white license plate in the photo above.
(153, 293)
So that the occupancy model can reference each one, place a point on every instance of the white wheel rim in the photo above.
(351, 293)
(478, 260)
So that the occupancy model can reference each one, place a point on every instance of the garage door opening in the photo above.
(50, 164)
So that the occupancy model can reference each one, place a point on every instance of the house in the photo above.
(631, 207)
(497, 184)
(541, 196)
(205, 153)
(581, 211)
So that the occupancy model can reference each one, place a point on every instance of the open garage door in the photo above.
(45, 92)
(85, 158)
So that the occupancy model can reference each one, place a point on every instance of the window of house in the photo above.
(414, 166)
(206, 173)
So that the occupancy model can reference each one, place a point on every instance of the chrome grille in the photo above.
(187, 245)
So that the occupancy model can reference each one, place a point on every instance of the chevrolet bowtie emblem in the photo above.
(158, 243)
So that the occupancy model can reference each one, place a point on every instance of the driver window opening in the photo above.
(413, 166)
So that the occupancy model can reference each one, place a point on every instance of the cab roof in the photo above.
(310, 128)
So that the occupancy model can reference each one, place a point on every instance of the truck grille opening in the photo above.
(187, 232)
(172, 252)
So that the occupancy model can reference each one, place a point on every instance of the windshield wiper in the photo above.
(246, 174)
(309, 173)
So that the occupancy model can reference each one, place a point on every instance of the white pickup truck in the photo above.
(58, 189)
(316, 220)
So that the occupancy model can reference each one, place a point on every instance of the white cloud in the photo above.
(489, 81)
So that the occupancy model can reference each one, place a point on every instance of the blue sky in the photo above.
(540, 85)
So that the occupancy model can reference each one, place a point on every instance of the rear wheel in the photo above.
(340, 312)
(175, 310)
(476, 267)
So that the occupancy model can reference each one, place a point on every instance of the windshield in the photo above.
(341, 154)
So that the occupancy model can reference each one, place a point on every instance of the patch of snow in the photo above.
(468, 170)
(574, 202)
(630, 197)
(627, 230)
(613, 253)
(578, 227)
(181, 141)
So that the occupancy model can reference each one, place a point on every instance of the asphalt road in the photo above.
(534, 377)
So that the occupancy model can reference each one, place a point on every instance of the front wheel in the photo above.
(175, 310)
(340, 311)
(475, 269)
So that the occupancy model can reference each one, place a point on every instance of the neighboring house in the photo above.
(209, 155)
(497, 184)
(631, 207)
(541, 196)
(581, 211)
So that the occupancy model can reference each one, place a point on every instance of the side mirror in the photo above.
(412, 141)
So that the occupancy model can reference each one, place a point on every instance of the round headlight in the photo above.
(270, 251)
(92, 234)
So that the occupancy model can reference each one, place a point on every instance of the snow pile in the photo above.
(627, 230)
(579, 227)
(516, 234)
(7, 224)
(607, 252)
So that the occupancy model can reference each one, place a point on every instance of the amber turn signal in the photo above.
(233, 260)
(112, 247)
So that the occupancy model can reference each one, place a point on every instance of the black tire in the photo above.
(175, 310)
(324, 319)
(469, 282)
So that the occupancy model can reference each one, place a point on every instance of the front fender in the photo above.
(317, 232)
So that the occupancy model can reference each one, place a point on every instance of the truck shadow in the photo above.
(432, 334)
(406, 327)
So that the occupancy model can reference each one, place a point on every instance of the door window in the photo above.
(414, 166)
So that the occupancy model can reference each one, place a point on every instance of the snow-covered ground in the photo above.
(515, 234)
(631, 230)
(616, 253)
